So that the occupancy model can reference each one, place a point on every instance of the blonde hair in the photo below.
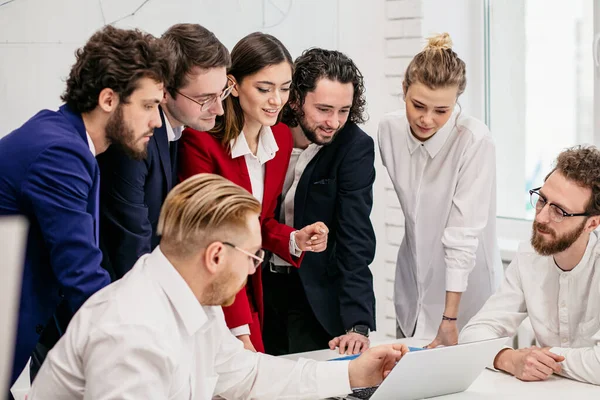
(201, 208)
(437, 66)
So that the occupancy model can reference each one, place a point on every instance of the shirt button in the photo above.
(39, 328)
(564, 340)
(563, 304)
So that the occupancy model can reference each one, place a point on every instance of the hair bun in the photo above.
(440, 41)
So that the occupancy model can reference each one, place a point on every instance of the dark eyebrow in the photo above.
(330, 106)
(272, 84)
(421, 104)
(155, 101)
(556, 204)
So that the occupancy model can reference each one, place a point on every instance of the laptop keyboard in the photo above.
(363, 393)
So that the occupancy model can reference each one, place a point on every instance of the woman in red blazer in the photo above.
(252, 149)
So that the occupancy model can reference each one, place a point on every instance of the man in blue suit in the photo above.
(132, 191)
(48, 172)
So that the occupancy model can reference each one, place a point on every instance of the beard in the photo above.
(558, 244)
(219, 292)
(311, 133)
(122, 136)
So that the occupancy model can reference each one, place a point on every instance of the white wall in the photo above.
(37, 50)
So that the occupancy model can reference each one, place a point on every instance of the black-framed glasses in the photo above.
(257, 258)
(557, 214)
(206, 104)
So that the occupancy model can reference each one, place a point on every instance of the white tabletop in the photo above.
(495, 385)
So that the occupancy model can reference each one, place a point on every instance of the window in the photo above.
(539, 90)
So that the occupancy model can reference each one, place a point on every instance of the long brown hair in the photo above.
(251, 54)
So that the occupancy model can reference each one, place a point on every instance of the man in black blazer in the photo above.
(132, 191)
(329, 301)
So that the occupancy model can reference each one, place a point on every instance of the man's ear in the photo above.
(234, 92)
(108, 100)
(592, 223)
(214, 257)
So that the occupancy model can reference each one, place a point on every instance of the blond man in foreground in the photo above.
(159, 332)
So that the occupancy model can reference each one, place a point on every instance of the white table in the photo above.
(496, 385)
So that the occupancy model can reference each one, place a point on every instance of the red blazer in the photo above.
(200, 152)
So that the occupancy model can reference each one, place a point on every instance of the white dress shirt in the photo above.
(299, 159)
(147, 337)
(563, 306)
(267, 148)
(447, 191)
(91, 144)
(173, 134)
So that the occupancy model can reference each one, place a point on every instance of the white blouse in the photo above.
(447, 191)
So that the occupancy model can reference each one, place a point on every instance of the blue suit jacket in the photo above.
(132, 193)
(48, 174)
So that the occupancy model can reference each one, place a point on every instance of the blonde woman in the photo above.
(443, 167)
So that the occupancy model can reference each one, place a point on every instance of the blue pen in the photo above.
(353, 356)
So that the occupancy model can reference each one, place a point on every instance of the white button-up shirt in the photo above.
(267, 148)
(299, 159)
(447, 191)
(147, 337)
(173, 134)
(91, 144)
(563, 306)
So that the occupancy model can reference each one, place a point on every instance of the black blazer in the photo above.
(131, 195)
(337, 188)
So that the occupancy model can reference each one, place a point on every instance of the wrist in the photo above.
(360, 329)
(449, 318)
(504, 360)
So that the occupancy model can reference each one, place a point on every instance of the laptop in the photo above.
(435, 372)
(13, 237)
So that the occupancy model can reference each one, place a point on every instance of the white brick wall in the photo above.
(403, 39)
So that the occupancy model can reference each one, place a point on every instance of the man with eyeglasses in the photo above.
(160, 333)
(555, 281)
(133, 190)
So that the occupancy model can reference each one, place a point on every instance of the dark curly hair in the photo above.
(581, 164)
(115, 58)
(192, 45)
(315, 64)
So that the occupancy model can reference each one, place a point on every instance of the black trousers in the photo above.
(290, 326)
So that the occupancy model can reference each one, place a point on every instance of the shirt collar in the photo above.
(184, 302)
(91, 144)
(267, 146)
(436, 142)
(173, 134)
(584, 263)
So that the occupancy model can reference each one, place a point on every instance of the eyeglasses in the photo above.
(557, 214)
(206, 104)
(257, 258)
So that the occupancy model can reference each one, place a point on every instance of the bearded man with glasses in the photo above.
(555, 281)
(133, 190)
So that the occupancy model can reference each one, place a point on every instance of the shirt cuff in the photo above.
(456, 280)
(329, 381)
(240, 330)
(294, 249)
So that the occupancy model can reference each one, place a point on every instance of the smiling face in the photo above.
(326, 110)
(262, 95)
(202, 85)
(132, 123)
(428, 110)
